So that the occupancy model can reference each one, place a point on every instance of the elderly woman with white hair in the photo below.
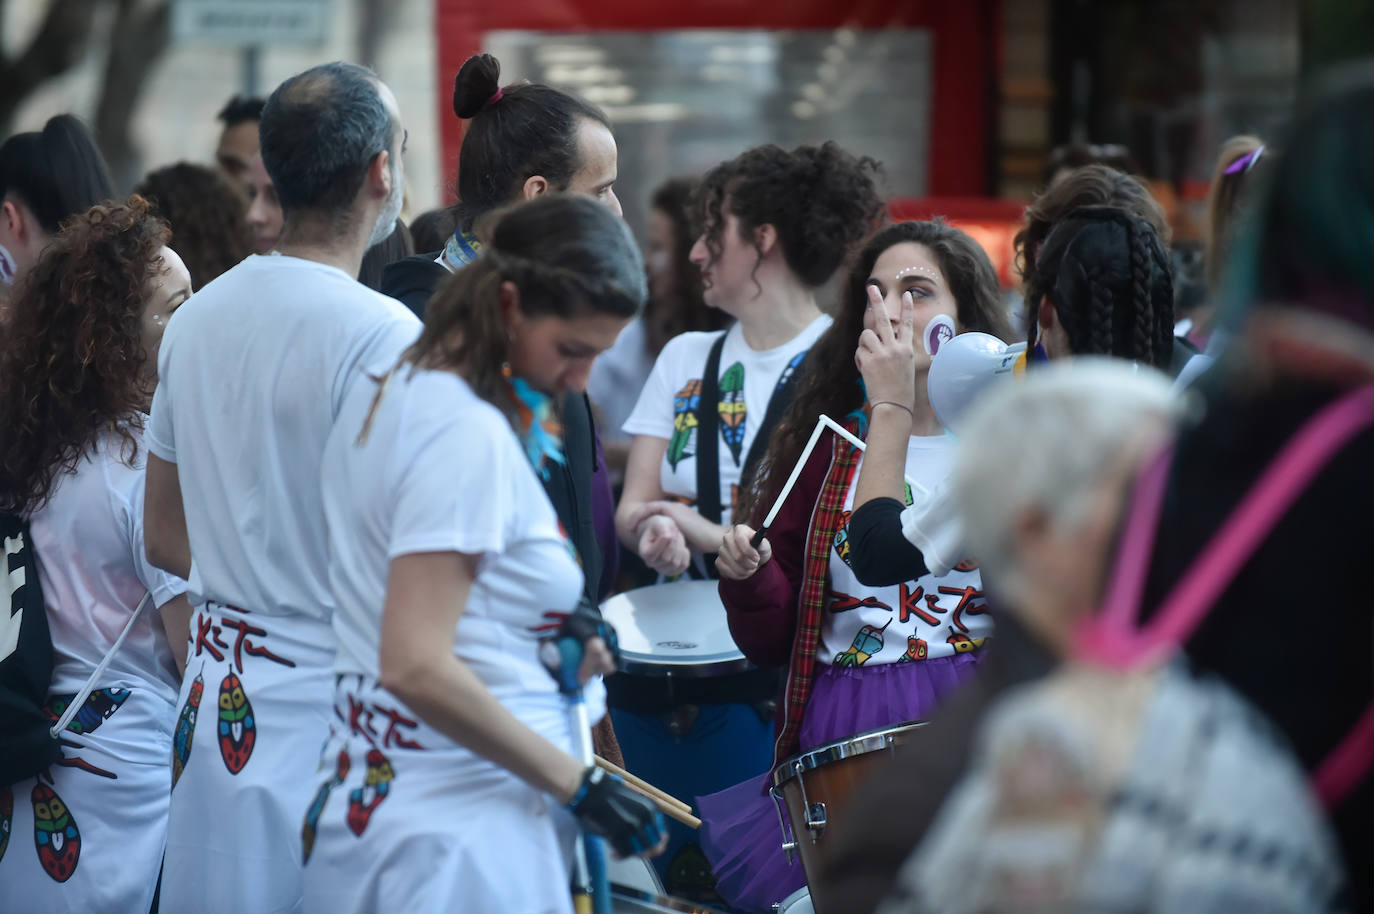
(1039, 490)
(1107, 774)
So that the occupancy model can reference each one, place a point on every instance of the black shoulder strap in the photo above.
(777, 406)
(569, 486)
(708, 436)
(26, 745)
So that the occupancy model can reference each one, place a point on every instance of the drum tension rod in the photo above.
(813, 813)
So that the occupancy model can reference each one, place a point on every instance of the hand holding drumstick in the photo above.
(738, 558)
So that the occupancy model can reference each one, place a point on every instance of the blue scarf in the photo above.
(461, 249)
(540, 431)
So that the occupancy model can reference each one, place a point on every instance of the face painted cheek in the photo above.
(9, 270)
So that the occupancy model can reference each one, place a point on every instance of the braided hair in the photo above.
(1109, 278)
(568, 255)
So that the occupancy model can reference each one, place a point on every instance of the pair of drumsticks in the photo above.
(670, 805)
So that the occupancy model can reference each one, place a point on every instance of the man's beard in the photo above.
(386, 219)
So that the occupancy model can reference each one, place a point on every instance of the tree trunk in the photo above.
(58, 45)
(140, 34)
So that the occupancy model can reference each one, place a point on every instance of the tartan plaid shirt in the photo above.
(825, 523)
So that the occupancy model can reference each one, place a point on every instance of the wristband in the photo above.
(909, 411)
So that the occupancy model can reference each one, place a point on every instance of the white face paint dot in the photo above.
(919, 271)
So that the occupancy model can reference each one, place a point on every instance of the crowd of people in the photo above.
(308, 514)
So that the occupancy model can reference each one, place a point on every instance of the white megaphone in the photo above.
(963, 366)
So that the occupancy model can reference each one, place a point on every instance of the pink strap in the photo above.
(1121, 602)
(1348, 764)
(1111, 638)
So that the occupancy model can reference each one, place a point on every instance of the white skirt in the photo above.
(403, 819)
(253, 711)
(88, 834)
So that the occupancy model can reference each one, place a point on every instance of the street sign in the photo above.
(251, 22)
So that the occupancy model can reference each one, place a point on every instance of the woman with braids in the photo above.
(1087, 185)
(857, 657)
(777, 225)
(448, 783)
(78, 363)
(1102, 285)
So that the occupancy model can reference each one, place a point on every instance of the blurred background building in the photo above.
(963, 102)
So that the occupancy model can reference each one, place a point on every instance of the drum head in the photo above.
(799, 902)
(674, 629)
(859, 744)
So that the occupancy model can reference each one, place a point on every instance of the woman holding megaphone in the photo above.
(1099, 284)
(858, 657)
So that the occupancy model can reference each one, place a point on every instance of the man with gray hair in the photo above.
(253, 369)
(1040, 476)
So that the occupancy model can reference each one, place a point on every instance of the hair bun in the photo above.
(478, 79)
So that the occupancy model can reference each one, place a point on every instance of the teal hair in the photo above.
(1309, 240)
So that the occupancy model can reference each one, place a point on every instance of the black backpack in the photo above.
(27, 745)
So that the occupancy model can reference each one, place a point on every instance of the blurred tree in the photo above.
(138, 33)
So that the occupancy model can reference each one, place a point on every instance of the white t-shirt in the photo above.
(925, 618)
(668, 406)
(88, 540)
(253, 370)
(441, 470)
(617, 377)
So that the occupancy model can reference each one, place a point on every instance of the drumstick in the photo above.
(787, 486)
(664, 798)
(821, 425)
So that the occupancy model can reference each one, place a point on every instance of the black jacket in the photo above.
(412, 281)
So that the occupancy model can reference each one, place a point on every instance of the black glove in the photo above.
(570, 644)
(607, 807)
(585, 622)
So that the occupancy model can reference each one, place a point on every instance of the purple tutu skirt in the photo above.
(740, 834)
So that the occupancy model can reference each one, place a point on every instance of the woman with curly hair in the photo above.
(798, 599)
(675, 307)
(208, 216)
(78, 363)
(777, 224)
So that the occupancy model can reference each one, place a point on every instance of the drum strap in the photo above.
(708, 432)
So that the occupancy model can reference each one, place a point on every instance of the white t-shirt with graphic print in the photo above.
(917, 620)
(440, 470)
(669, 406)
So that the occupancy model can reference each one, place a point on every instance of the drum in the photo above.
(799, 902)
(676, 629)
(815, 787)
(690, 712)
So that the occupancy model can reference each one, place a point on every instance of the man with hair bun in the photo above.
(522, 141)
(255, 370)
